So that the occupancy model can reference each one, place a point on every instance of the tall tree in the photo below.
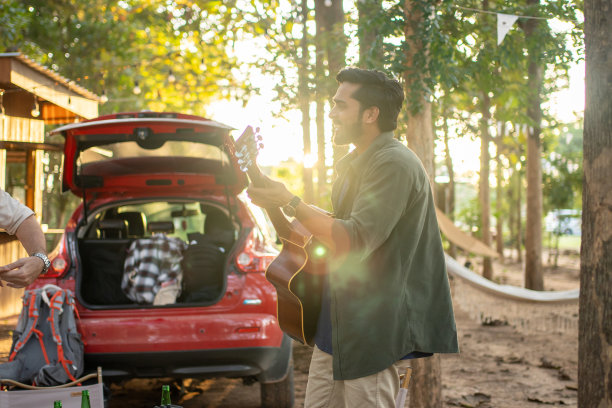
(449, 205)
(499, 229)
(304, 97)
(369, 33)
(484, 190)
(543, 48)
(329, 15)
(426, 386)
(534, 278)
(321, 99)
(595, 321)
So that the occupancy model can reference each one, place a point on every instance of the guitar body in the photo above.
(298, 272)
(298, 276)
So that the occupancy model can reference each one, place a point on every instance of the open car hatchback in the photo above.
(165, 255)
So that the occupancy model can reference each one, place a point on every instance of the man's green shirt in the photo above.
(390, 296)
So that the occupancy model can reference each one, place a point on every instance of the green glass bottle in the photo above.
(85, 399)
(57, 404)
(165, 399)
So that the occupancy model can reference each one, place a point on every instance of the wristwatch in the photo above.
(290, 209)
(45, 260)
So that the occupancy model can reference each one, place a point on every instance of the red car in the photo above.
(146, 175)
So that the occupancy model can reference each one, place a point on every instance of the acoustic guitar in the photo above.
(298, 272)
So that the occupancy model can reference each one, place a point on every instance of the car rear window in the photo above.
(171, 148)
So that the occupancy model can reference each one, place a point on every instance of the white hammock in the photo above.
(528, 310)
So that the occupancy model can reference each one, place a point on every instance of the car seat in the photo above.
(156, 227)
(135, 223)
(112, 228)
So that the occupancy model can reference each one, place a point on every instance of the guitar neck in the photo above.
(278, 219)
(256, 176)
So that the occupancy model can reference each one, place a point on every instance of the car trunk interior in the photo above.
(132, 252)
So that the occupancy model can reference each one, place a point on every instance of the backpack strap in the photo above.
(39, 336)
(56, 305)
(54, 289)
(29, 315)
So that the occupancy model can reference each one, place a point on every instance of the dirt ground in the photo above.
(499, 365)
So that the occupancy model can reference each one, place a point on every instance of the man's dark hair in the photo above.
(377, 89)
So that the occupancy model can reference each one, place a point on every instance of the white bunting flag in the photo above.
(504, 24)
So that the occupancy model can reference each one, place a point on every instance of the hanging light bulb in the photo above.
(35, 109)
(171, 77)
(1, 101)
(136, 89)
(104, 97)
(202, 65)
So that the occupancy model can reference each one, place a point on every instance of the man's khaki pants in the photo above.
(374, 391)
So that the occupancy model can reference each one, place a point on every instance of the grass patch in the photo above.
(570, 242)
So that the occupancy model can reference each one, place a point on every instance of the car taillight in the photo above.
(253, 257)
(59, 261)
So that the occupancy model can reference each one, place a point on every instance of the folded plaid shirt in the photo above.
(150, 263)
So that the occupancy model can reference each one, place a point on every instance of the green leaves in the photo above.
(14, 17)
(180, 53)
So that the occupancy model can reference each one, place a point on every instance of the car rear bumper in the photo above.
(178, 329)
(266, 364)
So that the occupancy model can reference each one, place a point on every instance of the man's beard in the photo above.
(348, 134)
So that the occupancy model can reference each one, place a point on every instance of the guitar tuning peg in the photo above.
(260, 146)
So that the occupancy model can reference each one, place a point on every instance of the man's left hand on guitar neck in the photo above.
(274, 195)
(320, 223)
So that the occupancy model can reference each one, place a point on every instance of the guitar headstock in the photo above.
(247, 146)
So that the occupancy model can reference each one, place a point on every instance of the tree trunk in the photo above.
(321, 166)
(329, 17)
(426, 384)
(304, 98)
(595, 321)
(321, 96)
(499, 219)
(419, 135)
(484, 194)
(519, 218)
(370, 48)
(533, 229)
(450, 199)
(511, 214)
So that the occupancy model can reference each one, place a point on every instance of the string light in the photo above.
(104, 97)
(35, 112)
(171, 77)
(136, 89)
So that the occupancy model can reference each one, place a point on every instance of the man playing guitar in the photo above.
(386, 297)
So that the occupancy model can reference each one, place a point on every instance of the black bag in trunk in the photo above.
(203, 269)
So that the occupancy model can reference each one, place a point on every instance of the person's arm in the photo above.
(318, 222)
(24, 271)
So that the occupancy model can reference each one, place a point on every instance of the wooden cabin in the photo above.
(31, 96)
